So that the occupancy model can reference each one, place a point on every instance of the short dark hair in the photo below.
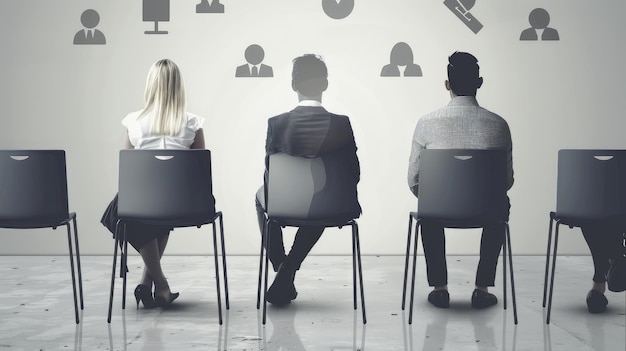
(463, 74)
(309, 74)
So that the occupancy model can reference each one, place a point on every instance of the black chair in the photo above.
(590, 188)
(309, 191)
(460, 189)
(166, 187)
(33, 194)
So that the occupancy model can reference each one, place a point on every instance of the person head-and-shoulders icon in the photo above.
(89, 36)
(254, 68)
(401, 55)
(539, 19)
(213, 7)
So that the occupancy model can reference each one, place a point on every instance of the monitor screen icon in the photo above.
(156, 11)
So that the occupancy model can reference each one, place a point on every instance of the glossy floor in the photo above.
(36, 310)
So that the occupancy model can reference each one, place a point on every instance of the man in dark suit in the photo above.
(308, 131)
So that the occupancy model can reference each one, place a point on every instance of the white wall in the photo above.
(559, 94)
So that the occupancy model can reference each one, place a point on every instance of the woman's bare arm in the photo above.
(198, 142)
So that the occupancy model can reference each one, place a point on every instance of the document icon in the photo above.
(461, 9)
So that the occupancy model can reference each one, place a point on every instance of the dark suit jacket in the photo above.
(311, 131)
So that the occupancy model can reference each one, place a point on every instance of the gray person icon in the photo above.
(401, 55)
(89, 36)
(254, 68)
(205, 7)
(539, 19)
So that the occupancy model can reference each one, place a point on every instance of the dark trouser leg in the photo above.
(490, 245)
(605, 242)
(306, 238)
(277, 249)
(434, 242)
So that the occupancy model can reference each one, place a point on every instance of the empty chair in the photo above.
(460, 189)
(33, 194)
(170, 188)
(307, 191)
(591, 189)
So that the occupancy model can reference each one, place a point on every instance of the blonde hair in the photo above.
(165, 97)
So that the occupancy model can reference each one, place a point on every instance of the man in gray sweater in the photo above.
(462, 124)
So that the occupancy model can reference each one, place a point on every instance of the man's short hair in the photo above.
(309, 75)
(463, 74)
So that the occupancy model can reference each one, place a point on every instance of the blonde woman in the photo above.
(162, 124)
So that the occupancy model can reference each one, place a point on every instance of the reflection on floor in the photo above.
(36, 310)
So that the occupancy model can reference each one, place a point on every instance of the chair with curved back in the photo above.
(167, 187)
(33, 194)
(460, 189)
(591, 187)
(309, 191)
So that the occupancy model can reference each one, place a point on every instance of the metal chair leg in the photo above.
(504, 249)
(417, 227)
(267, 250)
(508, 240)
(224, 261)
(122, 265)
(406, 260)
(115, 244)
(124, 268)
(217, 273)
(69, 242)
(556, 242)
(358, 252)
(353, 266)
(258, 294)
(80, 274)
(545, 277)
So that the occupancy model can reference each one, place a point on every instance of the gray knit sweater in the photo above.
(462, 124)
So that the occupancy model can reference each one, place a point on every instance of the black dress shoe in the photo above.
(282, 291)
(482, 299)
(596, 302)
(439, 298)
(160, 301)
(616, 276)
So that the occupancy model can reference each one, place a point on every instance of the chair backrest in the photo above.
(310, 189)
(465, 186)
(171, 187)
(591, 184)
(33, 187)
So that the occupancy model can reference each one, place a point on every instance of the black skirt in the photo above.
(137, 234)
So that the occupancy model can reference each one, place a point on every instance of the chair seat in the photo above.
(578, 221)
(459, 223)
(471, 223)
(174, 222)
(330, 222)
(35, 223)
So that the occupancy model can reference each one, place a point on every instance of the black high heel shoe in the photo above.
(144, 294)
(160, 301)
